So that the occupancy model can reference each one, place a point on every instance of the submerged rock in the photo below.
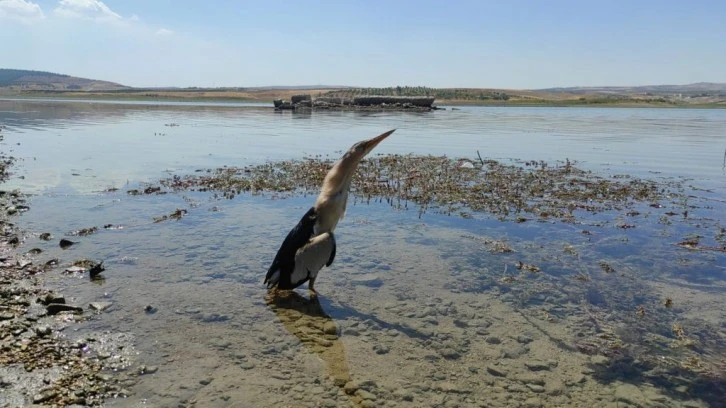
(55, 308)
(96, 269)
(66, 243)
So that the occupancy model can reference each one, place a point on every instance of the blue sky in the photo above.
(499, 44)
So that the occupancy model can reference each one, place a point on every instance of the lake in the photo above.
(419, 309)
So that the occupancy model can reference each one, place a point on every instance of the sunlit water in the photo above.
(425, 313)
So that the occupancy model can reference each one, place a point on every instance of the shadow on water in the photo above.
(305, 319)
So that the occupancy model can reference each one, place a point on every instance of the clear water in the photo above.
(405, 289)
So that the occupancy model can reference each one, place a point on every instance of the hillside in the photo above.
(43, 84)
(26, 80)
(696, 89)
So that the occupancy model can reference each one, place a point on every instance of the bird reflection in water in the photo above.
(306, 320)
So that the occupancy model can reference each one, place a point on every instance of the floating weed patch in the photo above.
(452, 186)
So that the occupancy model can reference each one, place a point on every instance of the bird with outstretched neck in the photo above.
(310, 245)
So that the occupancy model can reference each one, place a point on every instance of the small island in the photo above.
(367, 102)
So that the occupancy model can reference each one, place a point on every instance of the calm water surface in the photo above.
(426, 313)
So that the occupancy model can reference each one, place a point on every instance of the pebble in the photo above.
(42, 331)
(366, 395)
(524, 339)
(368, 385)
(493, 340)
(55, 308)
(65, 243)
(529, 378)
(99, 306)
(381, 349)
(460, 323)
(330, 328)
(536, 388)
(45, 395)
(247, 365)
(148, 369)
(449, 353)
(52, 298)
(514, 352)
(539, 365)
(403, 394)
(350, 387)
(496, 371)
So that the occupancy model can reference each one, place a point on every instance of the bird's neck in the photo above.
(330, 205)
(330, 208)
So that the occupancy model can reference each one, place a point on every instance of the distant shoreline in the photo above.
(267, 97)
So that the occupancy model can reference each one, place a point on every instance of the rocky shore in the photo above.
(40, 362)
(361, 103)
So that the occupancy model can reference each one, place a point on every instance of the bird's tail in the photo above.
(272, 279)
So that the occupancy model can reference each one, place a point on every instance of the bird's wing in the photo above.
(312, 257)
(282, 266)
(332, 253)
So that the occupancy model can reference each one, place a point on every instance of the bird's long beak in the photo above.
(370, 144)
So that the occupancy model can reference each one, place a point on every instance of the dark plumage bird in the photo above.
(310, 245)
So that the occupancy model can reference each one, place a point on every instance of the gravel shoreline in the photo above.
(39, 363)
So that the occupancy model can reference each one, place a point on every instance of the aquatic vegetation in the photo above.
(175, 215)
(451, 186)
(83, 232)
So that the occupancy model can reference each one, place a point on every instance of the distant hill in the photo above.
(39, 83)
(697, 89)
(21, 79)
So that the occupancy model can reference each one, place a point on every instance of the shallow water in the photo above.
(427, 312)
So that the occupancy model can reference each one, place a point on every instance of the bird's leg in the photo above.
(312, 290)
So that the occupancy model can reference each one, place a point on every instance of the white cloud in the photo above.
(87, 10)
(22, 10)
(164, 32)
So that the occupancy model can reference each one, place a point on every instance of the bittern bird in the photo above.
(310, 245)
